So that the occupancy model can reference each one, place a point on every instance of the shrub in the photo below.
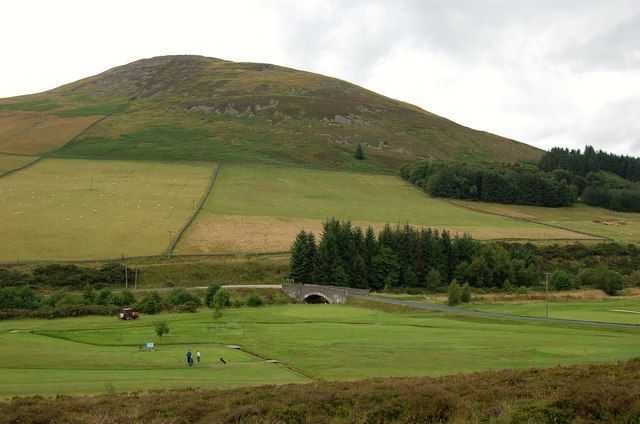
(161, 328)
(632, 280)
(188, 307)
(211, 293)
(181, 296)
(433, 279)
(611, 283)
(19, 298)
(221, 299)
(465, 296)
(89, 295)
(70, 299)
(124, 298)
(561, 280)
(104, 297)
(11, 278)
(75, 311)
(602, 278)
(151, 303)
(53, 299)
(255, 301)
(454, 293)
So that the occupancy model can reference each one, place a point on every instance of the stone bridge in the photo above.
(314, 293)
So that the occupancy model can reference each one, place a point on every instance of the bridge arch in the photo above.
(316, 293)
(315, 298)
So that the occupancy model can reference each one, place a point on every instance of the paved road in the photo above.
(495, 315)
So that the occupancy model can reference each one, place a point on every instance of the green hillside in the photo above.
(198, 108)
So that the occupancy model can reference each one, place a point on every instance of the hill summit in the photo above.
(200, 108)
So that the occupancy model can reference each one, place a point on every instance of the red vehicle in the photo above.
(129, 313)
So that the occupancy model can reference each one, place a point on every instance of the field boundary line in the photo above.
(532, 221)
(18, 154)
(134, 258)
(192, 218)
(45, 155)
(21, 168)
(78, 135)
(290, 368)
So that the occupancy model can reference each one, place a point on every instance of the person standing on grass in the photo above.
(189, 359)
(198, 357)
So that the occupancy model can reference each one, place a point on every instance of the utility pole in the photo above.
(126, 274)
(136, 280)
(546, 285)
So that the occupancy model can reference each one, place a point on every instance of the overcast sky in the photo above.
(561, 72)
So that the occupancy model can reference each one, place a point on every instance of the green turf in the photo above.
(615, 310)
(96, 354)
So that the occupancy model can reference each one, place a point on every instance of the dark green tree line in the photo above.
(403, 257)
(492, 183)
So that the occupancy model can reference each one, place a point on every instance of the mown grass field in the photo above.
(77, 209)
(261, 208)
(618, 226)
(332, 342)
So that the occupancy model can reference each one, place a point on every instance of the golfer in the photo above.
(189, 359)
(198, 357)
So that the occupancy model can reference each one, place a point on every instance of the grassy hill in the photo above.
(198, 108)
(261, 124)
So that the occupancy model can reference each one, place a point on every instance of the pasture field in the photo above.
(626, 310)
(256, 208)
(81, 209)
(11, 162)
(319, 342)
(619, 226)
(32, 133)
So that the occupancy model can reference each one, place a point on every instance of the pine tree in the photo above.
(410, 278)
(310, 262)
(298, 258)
(341, 277)
(385, 269)
(328, 253)
(370, 251)
(433, 279)
(359, 154)
(359, 278)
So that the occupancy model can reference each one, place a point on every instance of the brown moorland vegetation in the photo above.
(199, 108)
(33, 133)
(578, 394)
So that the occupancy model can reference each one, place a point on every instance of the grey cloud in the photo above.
(536, 46)
(617, 48)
